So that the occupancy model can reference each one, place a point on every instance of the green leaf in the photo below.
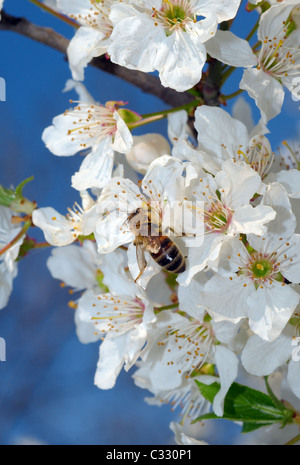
(14, 199)
(251, 407)
(248, 427)
(19, 188)
(208, 390)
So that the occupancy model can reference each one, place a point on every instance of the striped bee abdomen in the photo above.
(169, 256)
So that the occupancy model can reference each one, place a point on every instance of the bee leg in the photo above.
(140, 274)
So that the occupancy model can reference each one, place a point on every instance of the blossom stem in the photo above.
(166, 307)
(256, 45)
(23, 231)
(165, 113)
(41, 245)
(147, 120)
(253, 30)
(234, 94)
(55, 13)
(227, 73)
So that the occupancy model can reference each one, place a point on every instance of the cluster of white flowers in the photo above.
(190, 268)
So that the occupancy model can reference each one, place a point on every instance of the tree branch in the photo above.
(47, 36)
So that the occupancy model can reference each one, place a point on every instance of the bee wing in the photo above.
(140, 258)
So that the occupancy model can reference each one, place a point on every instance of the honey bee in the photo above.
(148, 238)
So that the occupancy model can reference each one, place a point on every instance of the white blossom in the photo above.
(121, 321)
(226, 212)
(162, 189)
(92, 37)
(276, 64)
(181, 344)
(221, 137)
(166, 36)
(252, 283)
(60, 230)
(96, 128)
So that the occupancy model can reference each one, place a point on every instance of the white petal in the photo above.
(86, 44)
(166, 177)
(227, 366)
(290, 179)
(188, 298)
(56, 228)
(284, 223)
(199, 257)
(96, 168)
(238, 183)
(247, 220)
(123, 138)
(219, 135)
(177, 126)
(85, 327)
(135, 39)
(293, 377)
(291, 268)
(119, 198)
(115, 277)
(230, 49)
(111, 361)
(73, 265)
(223, 9)
(83, 94)
(271, 21)
(74, 7)
(57, 138)
(182, 438)
(265, 90)
(6, 283)
(270, 309)
(180, 62)
(261, 358)
(225, 299)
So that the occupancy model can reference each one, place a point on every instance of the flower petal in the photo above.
(265, 90)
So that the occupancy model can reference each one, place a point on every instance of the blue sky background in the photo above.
(46, 384)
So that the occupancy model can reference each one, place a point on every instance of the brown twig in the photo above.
(47, 36)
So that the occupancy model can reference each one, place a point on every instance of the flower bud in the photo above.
(145, 150)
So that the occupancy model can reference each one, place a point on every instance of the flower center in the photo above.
(189, 345)
(75, 218)
(277, 57)
(262, 268)
(174, 14)
(259, 155)
(291, 156)
(217, 218)
(91, 122)
(118, 314)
